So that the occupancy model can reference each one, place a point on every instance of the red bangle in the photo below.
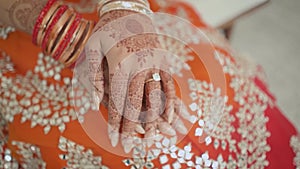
(67, 38)
(59, 13)
(67, 54)
(88, 30)
(40, 19)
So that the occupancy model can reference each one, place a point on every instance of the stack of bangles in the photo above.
(62, 33)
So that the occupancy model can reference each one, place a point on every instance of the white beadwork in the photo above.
(5, 31)
(31, 157)
(295, 144)
(42, 103)
(78, 156)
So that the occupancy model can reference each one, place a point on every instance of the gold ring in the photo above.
(155, 77)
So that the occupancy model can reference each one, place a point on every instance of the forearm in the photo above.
(21, 14)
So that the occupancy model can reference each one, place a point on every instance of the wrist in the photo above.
(133, 6)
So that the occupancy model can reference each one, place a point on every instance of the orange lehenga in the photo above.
(40, 129)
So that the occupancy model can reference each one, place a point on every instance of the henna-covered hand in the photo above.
(142, 96)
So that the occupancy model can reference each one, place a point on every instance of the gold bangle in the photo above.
(89, 30)
(102, 3)
(59, 32)
(64, 22)
(121, 5)
(66, 55)
(47, 19)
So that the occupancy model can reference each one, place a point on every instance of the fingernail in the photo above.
(96, 101)
(171, 114)
(150, 142)
(181, 128)
(185, 114)
(140, 129)
(114, 139)
(149, 138)
(127, 148)
(167, 129)
(170, 117)
(127, 145)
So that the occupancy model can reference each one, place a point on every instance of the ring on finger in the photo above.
(155, 77)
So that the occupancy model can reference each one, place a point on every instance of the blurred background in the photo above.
(270, 35)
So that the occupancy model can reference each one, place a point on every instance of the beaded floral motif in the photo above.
(179, 57)
(31, 157)
(214, 118)
(250, 115)
(77, 156)
(6, 159)
(143, 158)
(38, 96)
(5, 31)
(247, 149)
(165, 150)
(3, 130)
(5, 64)
(295, 144)
(42, 103)
(250, 151)
(180, 29)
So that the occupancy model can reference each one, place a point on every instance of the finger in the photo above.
(155, 107)
(117, 93)
(94, 59)
(169, 89)
(154, 97)
(96, 77)
(105, 99)
(153, 103)
(151, 128)
(132, 111)
(114, 122)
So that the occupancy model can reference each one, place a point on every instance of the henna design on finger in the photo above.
(155, 103)
(96, 75)
(132, 111)
(117, 93)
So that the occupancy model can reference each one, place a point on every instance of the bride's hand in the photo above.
(136, 74)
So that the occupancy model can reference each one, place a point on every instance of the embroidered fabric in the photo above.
(5, 31)
(30, 155)
(237, 140)
(43, 103)
(295, 144)
(77, 156)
